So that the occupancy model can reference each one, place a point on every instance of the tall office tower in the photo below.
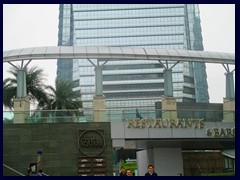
(133, 83)
(65, 38)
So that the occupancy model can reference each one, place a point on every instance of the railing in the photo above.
(78, 116)
(13, 170)
(17, 172)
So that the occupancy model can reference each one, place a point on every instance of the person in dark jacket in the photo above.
(122, 173)
(29, 172)
(151, 171)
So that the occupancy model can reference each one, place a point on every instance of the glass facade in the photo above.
(65, 38)
(133, 84)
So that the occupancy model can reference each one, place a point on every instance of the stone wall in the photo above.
(58, 142)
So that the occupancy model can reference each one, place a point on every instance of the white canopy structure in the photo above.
(116, 53)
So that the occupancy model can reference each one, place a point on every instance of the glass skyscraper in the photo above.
(133, 83)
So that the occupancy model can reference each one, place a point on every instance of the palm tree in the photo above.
(35, 86)
(65, 99)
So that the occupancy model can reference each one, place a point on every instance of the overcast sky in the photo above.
(37, 25)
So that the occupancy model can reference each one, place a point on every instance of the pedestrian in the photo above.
(122, 173)
(40, 173)
(29, 172)
(151, 171)
(128, 172)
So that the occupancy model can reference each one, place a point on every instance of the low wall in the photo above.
(58, 142)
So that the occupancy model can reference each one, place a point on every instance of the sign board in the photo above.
(92, 160)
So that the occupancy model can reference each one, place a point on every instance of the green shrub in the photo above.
(129, 165)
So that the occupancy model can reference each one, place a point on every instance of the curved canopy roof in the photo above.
(116, 53)
(229, 153)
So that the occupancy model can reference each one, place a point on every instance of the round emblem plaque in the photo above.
(91, 143)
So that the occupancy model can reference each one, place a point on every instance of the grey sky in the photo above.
(37, 25)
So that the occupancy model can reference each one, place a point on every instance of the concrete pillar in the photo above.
(168, 161)
(168, 84)
(21, 83)
(228, 110)
(229, 86)
(169, 107)
(21, 110)
(144, 158)
(99, 109)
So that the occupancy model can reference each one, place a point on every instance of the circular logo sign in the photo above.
(91, 143)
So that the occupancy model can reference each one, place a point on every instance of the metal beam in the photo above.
(174, 65)
(13, 65)
(27, 63)
(162, 65)
(225, 67)
(92, 63)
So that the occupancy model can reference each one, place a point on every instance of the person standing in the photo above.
(40, 173)
(29, 172)
(151, 171)
(128, 172)
(122, 173)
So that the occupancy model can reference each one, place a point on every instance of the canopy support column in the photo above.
(99, 106)
(229, 83)
(21, 102)
(229, 100)
(168, 83)
(169, 105)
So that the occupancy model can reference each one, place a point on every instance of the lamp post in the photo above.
(39, 160)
